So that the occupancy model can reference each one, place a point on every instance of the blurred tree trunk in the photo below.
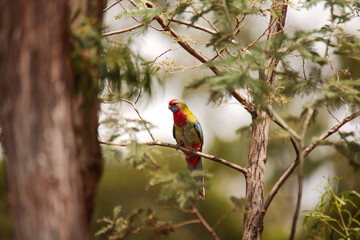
(50, 134)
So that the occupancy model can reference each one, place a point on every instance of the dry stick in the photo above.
(204, 223)
(288, 172)
(177, 147)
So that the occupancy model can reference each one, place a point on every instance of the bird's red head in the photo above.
(175, 105)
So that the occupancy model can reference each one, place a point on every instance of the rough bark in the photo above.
(255, 178)
(253, 218)
(50, 137)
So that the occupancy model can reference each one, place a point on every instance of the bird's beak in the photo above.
(169, 106)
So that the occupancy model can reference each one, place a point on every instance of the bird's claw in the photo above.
(192, 151)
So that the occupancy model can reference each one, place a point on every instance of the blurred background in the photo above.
(122, 185)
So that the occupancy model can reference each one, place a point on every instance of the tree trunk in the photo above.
(253, 218)
(255, 180)
(85, 112)
(50, 138)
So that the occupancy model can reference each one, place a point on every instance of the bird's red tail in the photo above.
(197, 166)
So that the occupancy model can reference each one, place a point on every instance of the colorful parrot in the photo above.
(188, 133)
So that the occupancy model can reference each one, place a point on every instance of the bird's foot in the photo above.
(192, 152)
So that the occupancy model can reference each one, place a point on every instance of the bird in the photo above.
(188, 133)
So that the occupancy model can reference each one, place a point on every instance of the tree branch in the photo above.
(246, 104)
(331, 131)
(204, 223)
(177, 147)
(190, 24)
(284, 177)
(187, 222)
(116, 2)
(123, 30)
(304, 128)
(222, 217)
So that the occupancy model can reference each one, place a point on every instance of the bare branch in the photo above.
(187, 222)
(288, 172)
(116, 2)
(177, 147)
(304, 128)
(222, 217)
(331, 131)
(123, 30)
(258, 38)
(162, 54)
(190, 24)
(243, 101)
(204, 223)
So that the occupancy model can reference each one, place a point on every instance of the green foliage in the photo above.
(144, 11)
(95, 60)
(140, 220)
(180, 188)
(349, 148)
(128, 73)
(243, 68)
(336, 216)
(85, 60)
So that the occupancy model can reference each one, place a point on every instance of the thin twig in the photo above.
(222, 217)
(238, 26)
(190, 24)
(331, 131)
(338, 79)
(258, 38)
(135, 109)
(327, 107)
(170, 49)
(187, 222)
(204, 223)
(123, 30)
(117, 1)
